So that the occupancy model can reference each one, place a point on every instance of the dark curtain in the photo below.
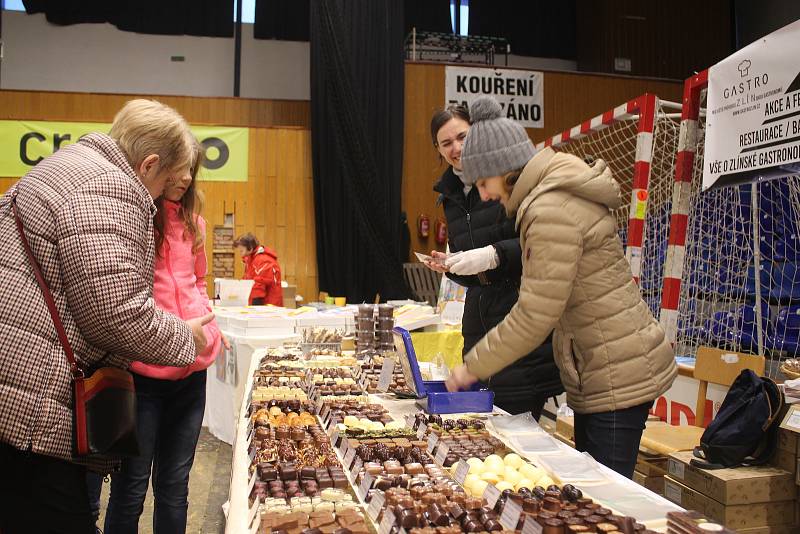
(428, 16)
(357, 85)
(205, 18)
(286, 20)
(532, 28)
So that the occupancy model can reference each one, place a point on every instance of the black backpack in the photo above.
(745, 430)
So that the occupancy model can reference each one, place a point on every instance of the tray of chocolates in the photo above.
(397, 384)
(267, 393)
(317, 522)
(357, 408)
(276, 417)
(565, 510)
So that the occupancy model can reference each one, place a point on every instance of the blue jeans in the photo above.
(612, 438)
(94, 481)
(169, 416)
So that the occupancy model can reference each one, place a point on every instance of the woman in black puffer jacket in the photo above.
(490, 267)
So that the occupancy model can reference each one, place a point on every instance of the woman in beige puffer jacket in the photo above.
(612, 354)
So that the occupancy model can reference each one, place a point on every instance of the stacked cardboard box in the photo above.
(789, 445)
(650, 471)
(748, 499)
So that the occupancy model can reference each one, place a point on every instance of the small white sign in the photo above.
(441, 453)
(531, 526)
(385, 379)
(676, 469)
(348, 458)
(252, 483)
(673, 493)
(256, 524)
(461, 472)
(510, 516)
(387, 522)
(421, 431)
(253, 512)
(355, 468)
(491, 494)
(366, 484)
(433, 439)
(334, 435)
(375, 506)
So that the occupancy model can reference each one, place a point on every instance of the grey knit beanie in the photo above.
(494, 145)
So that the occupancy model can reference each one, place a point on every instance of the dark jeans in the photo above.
(258, 301)
(94, 482)
(42, 494)
(612, 438)
(169, 415)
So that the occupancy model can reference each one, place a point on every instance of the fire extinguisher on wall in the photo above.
(423, 225)
(440, 231)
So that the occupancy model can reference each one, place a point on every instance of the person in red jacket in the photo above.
(261, 265)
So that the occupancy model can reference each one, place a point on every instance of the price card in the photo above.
(250, 433)
(363, 382)
(386, 374)
(410, 421)
(334, 435)
(256, 524)
(249, 427)
(461, 472)
(324, 413)
(491, 494)
(441, 453)
(366, 484)
(318, 407)
(531, 526)
(343, 446)
(375, 506)
(348, 458)
(387, 522)
(421, 431)
(253, 512)
(356, 467)
(252, 454)
(252, 483)
(510, 516)
(433, 439)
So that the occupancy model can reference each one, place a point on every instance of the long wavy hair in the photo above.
(191, 205)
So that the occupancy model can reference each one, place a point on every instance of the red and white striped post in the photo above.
(684, 166)
(644, 107)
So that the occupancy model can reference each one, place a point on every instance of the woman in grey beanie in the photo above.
(612, 355)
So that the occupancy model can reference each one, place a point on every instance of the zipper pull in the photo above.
(468, 216)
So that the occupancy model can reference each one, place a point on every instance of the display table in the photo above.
(562, 462)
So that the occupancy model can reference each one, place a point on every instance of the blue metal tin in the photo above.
(432, 395)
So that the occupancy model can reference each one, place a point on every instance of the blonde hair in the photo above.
(191, 204)
(144, 127)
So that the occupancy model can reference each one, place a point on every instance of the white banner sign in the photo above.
(753, 112)
(520, 92)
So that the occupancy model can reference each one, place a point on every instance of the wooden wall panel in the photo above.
(90, 107)
(569, 98)
(277, 201)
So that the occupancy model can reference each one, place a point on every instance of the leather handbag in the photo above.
(103, 401)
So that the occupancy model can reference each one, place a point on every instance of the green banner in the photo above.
(24, 143)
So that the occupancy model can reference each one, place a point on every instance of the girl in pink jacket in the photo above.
(170, 400)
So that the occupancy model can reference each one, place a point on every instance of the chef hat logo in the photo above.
(744, 67)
